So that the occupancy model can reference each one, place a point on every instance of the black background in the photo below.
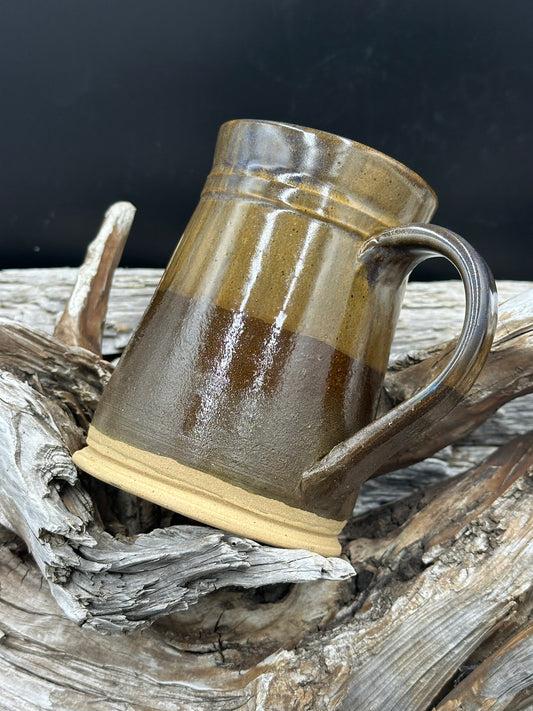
(121, 100)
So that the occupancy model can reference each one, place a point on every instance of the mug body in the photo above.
(267, 339)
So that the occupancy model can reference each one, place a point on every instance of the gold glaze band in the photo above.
(340, 209)
(206, 498)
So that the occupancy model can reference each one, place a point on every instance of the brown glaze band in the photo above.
(255, 419)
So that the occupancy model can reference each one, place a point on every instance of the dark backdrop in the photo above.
(122, 99)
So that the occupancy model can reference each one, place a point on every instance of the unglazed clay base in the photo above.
(206, 498)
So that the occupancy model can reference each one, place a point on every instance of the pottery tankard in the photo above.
(247, 397)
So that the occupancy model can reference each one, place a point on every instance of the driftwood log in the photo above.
(438, 615)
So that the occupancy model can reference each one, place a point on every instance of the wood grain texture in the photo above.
(432, 311)
(81, 322)
(415, 618)
(443, 589)
(503, 682)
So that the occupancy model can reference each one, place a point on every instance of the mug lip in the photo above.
(327, 135)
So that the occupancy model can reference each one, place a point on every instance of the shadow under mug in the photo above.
(246, 398)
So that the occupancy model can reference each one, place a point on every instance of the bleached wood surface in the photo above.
(443, 585)
(85, 312)
(432, 312)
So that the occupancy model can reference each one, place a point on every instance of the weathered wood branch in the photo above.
(416, 616)
(432, 312)
(82, 321)
(444, 576)
(503, 681)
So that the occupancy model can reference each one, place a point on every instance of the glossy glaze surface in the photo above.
(266, 343)
(231, 392)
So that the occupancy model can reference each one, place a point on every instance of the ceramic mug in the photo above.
(246, 398)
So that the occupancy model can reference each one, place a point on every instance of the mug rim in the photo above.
(327, 135)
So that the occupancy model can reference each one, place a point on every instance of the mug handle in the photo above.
(372, 449)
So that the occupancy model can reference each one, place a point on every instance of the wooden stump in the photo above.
(437, 617)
